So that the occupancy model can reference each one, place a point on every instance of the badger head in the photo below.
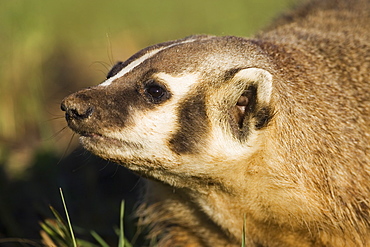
(186, 108)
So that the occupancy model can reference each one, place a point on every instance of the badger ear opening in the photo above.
(254, 98)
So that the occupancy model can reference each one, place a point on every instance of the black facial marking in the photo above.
(115, 69)
(103, 108)
(193, 125)
(251, 94)
(263, 117)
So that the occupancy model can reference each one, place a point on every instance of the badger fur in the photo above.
(270, 134)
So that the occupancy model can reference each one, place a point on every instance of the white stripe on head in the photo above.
(139, 61)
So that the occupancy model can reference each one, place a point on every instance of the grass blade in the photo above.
(68, 220)
(121, 228)
(99, 239)
(123, 242)
(243, 234)
(54, 234)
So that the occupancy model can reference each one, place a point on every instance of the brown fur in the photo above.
(307, 182)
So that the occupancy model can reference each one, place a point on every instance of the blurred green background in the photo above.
(52, 48)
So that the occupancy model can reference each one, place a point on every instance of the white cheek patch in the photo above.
(151, 130)
(139, 61)
(225, 147)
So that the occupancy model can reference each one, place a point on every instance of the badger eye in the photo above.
(155, 91)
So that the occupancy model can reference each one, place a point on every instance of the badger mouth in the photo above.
(97, 141)
(126, 153)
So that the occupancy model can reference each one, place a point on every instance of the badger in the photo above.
(262, 140)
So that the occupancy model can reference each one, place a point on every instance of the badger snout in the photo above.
(76, 112)
(79, 113)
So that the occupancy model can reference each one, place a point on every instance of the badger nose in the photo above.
(76, 112)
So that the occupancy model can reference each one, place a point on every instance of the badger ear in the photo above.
(260, 79)
(253, 103)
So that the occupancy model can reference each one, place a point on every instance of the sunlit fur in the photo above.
(271, 132)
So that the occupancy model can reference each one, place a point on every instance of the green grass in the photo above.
(58, 232)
